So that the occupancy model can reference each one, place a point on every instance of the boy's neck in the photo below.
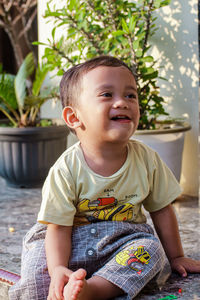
(105, 159)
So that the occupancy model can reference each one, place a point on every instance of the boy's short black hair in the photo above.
(70, 84)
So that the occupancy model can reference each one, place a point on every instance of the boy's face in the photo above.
(108, 104)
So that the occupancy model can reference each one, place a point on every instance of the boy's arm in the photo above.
(58, 249)
(166, 226)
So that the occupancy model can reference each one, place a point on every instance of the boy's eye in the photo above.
(106, 94)
(131, 96)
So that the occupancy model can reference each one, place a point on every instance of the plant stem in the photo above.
(34, 115)
(148, 21)
(11, 109)
(86, 34)
(8, 116)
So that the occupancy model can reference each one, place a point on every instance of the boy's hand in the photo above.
(182, 265)
(59, 279)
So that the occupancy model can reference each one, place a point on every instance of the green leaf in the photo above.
(72, 5)
(151, 76)
(7, 91)
(125, 26)
(140, 36)
(38, 43)
(117, 33)
(60, 42)
(25, 70)
(147, 59)
(135, 44)
(139, 53)
(165, 2)
(53, 33)
(60, 72)
(45, 123)
(40, 76)
(132, 24)
(157, 3)
(160, 77)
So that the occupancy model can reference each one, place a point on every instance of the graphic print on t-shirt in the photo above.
(106, 208)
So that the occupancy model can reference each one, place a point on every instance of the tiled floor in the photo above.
(18, 211)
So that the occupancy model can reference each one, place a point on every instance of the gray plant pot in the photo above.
(26, 154)
(168, 143)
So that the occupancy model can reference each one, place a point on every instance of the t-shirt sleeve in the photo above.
(58, 195)
(164, 187)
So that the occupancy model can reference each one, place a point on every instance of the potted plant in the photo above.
(122, 29)
(28, 145)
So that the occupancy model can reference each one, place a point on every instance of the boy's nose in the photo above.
(120, 103)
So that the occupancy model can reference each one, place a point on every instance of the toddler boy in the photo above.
(92, 234)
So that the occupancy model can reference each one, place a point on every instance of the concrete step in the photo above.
(7, 279)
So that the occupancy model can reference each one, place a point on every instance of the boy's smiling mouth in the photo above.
(121, 118)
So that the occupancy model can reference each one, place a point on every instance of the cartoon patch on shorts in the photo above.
(135, 259)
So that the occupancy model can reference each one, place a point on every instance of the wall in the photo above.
(176, 48)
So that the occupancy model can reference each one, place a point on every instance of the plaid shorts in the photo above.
(128, 255)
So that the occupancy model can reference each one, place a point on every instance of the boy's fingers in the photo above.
(59, 288)
(53, 295)
(181, 270)
(58, 292)
(195, 267)
(67, 274)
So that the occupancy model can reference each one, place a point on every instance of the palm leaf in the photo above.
(25, 70)
(41, 73)
(7, 91)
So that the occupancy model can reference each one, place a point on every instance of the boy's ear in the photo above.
(70, 117)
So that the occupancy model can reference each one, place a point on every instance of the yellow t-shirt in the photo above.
(75, 195)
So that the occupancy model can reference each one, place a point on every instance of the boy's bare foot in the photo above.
(76, 288)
